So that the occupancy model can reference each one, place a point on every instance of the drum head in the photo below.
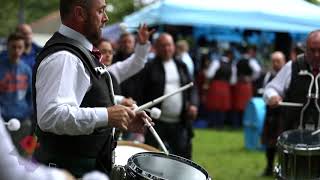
(299, 140)
(160, 166)
(126, 149)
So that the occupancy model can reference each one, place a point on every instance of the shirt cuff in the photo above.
(102, 117)
(118, 99)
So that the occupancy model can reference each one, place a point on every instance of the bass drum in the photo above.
(299, 155)
(159, 166)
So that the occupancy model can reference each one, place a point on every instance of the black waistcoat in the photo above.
(224, 72)
(297, 92)
(99, 95)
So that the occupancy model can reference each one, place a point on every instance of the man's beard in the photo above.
(92, 35)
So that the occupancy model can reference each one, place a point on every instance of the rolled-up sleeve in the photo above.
(279, 85)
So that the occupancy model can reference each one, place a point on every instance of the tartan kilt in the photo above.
(241, 95)
(219, 96)
(273, 126)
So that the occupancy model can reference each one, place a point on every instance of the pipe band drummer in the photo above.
(290, 86)
(74, 104)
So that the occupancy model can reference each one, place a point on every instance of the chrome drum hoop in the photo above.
(135, 170)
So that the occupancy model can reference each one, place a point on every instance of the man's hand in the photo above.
(138, 125)
(274, 101)
(144, 34)
(120, 116)
(192, 112)
(128, 102)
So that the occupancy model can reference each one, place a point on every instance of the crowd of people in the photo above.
(74, 90)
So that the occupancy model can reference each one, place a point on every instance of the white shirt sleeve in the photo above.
(61, 85)
(214, 66)
(13, 167)
(279, 85)
(256, 68)
(122, 70)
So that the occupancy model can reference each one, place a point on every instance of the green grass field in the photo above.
(223, 155)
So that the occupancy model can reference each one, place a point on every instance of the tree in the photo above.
(120, 9)
(35, 9)
(317, 2)
(8, 16)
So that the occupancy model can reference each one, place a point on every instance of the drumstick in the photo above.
(315, 132)
(154, 102)
(158, 100)
(155, 134)
(290, 104)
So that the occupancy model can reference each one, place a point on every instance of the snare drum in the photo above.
(159, 166)
(299, 155)
(126, 149)
(123, 151)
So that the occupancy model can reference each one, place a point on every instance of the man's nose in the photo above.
(105, 18)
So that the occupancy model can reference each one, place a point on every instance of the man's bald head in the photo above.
(278, 60)
(26, 31)
(313, 48)
(165, 47)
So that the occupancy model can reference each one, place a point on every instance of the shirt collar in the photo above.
(72, 34)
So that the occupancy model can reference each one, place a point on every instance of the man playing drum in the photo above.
(73, 96)
(292, 87)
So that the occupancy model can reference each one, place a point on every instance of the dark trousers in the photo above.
(175, 136)
(217, 119)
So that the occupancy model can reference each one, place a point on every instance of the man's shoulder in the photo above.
(62, 53)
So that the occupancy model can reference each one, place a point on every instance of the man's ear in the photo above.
(80, 13)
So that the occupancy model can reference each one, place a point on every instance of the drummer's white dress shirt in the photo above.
(62, 82)
(279, 84)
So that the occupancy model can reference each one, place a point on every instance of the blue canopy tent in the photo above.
(283, 16)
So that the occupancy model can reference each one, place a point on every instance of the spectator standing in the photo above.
(163, 75)
(15, 88)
